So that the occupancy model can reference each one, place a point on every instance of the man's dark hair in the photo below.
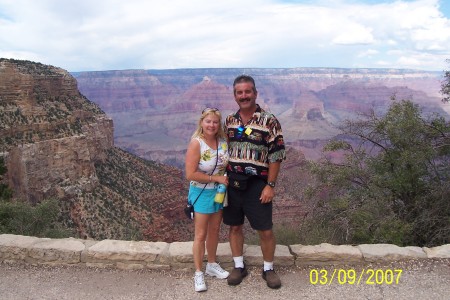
(244, 78)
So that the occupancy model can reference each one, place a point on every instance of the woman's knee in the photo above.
(200, 235)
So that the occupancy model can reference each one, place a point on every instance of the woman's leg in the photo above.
(212, 237)
(201, 230)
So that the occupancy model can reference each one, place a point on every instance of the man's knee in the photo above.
(236, 229)
(266, 235)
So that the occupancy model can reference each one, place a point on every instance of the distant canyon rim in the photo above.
(155, 111)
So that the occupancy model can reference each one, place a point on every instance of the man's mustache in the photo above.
(245, 100)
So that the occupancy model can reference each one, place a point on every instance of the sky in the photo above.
(86, 35)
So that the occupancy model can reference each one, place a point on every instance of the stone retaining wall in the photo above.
(178, 255)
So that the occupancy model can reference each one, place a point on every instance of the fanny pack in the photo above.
(238, 181)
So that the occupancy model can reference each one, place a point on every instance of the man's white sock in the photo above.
(238, 261)
(268, 265)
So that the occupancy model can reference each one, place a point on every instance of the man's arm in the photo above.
(269, 192)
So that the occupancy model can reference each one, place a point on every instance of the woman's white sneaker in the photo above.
(199, 282)
(214, 269)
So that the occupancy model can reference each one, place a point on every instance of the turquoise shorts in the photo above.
(205, 203)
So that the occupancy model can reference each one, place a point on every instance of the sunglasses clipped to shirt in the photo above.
(241, 130)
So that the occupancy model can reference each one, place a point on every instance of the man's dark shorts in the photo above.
(247, 203)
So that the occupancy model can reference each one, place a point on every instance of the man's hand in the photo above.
(267, 194)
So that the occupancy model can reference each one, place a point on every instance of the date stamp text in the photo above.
(354, 277)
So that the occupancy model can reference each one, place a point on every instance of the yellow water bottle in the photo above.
(220, 194)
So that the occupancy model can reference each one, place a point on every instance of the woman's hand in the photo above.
(220, 179)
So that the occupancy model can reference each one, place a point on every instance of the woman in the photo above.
(206, 160)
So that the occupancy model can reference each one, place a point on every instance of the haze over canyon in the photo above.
(155, 111)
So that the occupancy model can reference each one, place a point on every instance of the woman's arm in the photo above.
(192, 160)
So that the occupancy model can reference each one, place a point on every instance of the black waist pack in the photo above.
(238, 181)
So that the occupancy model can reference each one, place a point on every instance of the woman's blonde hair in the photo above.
(206, 112)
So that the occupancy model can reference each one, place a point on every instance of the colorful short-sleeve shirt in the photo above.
(254, 145)
(208, 160)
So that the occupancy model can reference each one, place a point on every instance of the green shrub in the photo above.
(391, 184)
(24, 219)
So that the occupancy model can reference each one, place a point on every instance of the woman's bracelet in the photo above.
(210, 178)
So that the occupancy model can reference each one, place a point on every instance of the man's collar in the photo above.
(258, 110)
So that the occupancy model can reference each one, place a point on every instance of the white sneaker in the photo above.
(199, 282)
(216, 270)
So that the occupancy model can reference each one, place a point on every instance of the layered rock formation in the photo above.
(57, 143)
(289, 206)
(361, 97)
(49, 131)
(155, 111)
(126, 90)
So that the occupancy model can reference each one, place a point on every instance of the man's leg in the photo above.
(268, 243)
(236, 237)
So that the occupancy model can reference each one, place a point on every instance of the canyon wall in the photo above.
(50, 134)
(58, 144)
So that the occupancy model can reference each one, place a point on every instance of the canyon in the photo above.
(110, 145)
(155, 111)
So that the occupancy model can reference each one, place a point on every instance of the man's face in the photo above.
(244, 95)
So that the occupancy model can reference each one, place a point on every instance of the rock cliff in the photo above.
(50, 133)
(57, 143)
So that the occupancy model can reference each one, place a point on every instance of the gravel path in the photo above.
(428, 279)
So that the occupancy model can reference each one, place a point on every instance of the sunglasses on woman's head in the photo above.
(209, 109)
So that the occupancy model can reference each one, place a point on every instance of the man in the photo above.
(256, 149)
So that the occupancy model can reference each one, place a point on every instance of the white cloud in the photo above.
(368, 53)
(355, 35)
(102, 34)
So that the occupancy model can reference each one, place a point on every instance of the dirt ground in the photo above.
(426, 279)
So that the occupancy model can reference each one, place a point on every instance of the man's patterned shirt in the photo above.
(254, 145)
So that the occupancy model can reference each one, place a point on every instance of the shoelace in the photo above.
(218, 268)
(199, 279)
